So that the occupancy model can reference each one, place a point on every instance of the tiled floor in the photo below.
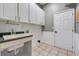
(47, 50)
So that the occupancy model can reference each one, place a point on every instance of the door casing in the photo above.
(63, 29)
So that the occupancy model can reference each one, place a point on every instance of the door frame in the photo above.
(73, 29)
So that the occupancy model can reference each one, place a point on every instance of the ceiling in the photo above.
(41, 4)
(70, 5)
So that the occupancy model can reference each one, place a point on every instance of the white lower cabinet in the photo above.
(48, 37)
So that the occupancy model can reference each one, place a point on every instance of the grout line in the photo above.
(48, 52)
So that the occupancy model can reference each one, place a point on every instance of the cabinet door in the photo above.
(10, 11)
(40, 16)
(23, 12)
(1, 10)
(33, 13)
(48, 37)
(43, 17)
(36, 15)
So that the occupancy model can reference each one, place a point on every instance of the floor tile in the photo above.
(54, 52)
(63, 51)
(71, 54)
(62, 54)
(35, 53)
(43, 53)
(55, 48)
(47, 50)
(51, 54)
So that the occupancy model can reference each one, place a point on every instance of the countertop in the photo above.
(13, 37)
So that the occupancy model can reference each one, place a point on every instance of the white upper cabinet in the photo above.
(43, 17)
(33, 13)
(10, 11)
(40, 16)
(1, 10)
(36, 14)
(24, 12)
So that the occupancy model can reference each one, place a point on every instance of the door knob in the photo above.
(56, 32)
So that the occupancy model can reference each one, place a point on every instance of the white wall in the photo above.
(50, 9)
(34, 29)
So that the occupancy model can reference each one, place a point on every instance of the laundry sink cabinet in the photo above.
(18, 46)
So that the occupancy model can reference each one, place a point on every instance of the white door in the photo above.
(63, 23)
(23, 12)
(10, 11)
